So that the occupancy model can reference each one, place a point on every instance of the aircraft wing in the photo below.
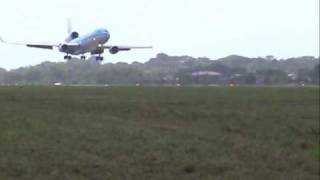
(33, 45)
(127, 48)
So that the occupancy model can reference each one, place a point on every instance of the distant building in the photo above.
(57, 84)
(206, 73)
(293, 76)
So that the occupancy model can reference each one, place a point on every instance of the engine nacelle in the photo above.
(114, 50)
(72, 36)
(63, 47)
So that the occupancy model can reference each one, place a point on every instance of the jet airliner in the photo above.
(93, 43)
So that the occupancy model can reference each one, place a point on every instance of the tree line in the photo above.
(170, 70)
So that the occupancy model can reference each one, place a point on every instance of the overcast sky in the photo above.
(199, 28)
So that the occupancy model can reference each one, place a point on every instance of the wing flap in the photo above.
(39, 46)
(127, 48)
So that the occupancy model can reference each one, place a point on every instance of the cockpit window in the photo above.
(100, 31)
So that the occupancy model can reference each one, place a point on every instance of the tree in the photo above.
(2, 74)
(316, 74)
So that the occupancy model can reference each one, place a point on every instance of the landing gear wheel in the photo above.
(67, 57)
(83, 57)
(99, 58)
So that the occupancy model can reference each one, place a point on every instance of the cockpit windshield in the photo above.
(102, 31)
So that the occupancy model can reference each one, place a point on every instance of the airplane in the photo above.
(74, 44)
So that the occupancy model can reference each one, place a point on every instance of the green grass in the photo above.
(50, 133)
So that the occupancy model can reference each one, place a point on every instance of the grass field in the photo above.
(78, 133)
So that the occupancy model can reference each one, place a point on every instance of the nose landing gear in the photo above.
(83, 57)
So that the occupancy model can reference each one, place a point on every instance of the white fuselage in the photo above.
(89, 43)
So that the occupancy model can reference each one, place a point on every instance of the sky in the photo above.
(198, 28)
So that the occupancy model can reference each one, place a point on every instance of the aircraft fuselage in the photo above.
(89, 43)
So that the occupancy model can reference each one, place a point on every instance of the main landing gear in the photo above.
(83, 57)
(99, 58)
(67, 57)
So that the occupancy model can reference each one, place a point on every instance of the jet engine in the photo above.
(63, 47)
(114, 50)
(72, 36)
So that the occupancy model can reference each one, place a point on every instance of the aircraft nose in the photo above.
(107, 34)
